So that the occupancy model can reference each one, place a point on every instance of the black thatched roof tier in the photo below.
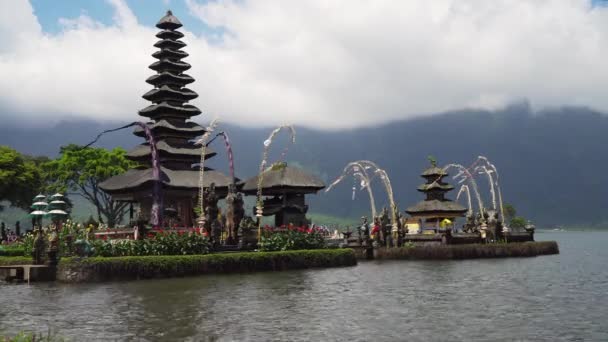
(435, 186)
(169, 79)
(169, 34)
(434, 171)
(284, 178)
(187, 129)
(168, 53)
(165, 93)
(134, 180)
(435, 207)
(169, 65)
(169, 22)
(169, 44)
(165, 110)
(165, 149)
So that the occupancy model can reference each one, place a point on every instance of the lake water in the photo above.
(551, 298)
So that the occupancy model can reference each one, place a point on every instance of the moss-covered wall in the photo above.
(469, 251)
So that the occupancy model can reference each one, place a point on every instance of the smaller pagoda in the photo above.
(285, 186)
(435, 207)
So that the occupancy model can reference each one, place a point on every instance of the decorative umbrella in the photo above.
(39, 205)
(57, 212)
(40, 197)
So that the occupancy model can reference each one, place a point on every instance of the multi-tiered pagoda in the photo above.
(436, 207)
(172, 132)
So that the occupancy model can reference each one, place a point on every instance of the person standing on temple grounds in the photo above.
(18, 229)
(365, 228)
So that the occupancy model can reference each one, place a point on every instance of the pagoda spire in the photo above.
(169, 97)
(175, 155)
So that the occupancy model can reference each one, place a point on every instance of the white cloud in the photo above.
(316, 63)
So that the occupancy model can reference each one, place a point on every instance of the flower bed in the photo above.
(160, 243)
(291, 238)
(136, 267)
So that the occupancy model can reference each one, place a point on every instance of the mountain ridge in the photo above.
(550, 162)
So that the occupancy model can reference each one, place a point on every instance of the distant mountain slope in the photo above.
(552, 164)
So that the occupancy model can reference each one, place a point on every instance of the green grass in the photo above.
(32, 337)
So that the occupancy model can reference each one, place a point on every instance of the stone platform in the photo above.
(27, 273)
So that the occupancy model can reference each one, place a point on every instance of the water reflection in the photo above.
(548, 298)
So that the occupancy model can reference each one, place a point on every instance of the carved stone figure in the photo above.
(230, 225)
(384, 222)
(239, 209)
(471, 224)
(211, 209)
(494, 229)
(53, 249)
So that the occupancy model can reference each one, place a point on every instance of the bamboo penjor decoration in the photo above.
(267, 145)
(203, 142)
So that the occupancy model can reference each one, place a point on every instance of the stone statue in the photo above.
(211, 209)
(493, 224)
(53, 249)
(384, 222)
(239, 209)
(39, 246)
(471, 224)
(246, 225)
(229, 214)
(398, 238)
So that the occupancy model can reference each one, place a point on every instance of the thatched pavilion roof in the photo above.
(281, 178)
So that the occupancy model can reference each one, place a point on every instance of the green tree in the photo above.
(510, 212)
(20, 177)
(518, 222)
(83, 169)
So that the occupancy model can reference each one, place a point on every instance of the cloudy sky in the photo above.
(317, 63)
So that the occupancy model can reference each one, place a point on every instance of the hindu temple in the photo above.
(435, 207)
(169, 114)
(285, 187)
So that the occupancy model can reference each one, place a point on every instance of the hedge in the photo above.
(12, 252)
(136, 267)
(15, 260)
(469, 251)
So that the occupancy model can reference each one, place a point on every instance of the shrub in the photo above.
(291, 238)
(162, 243)
(15, 260)
(15, 249)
